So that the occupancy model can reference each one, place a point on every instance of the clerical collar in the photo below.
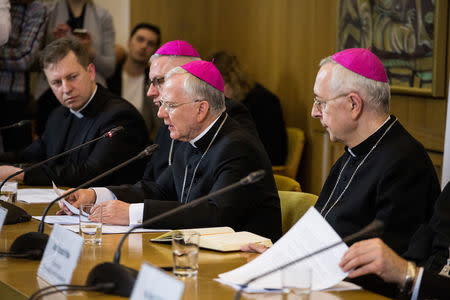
(365, 146)
(78, 113)
(202, 140)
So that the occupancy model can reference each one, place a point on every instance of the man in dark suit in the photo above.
(375, 257)
(170, 55)
(384, 172)
(87, 112)
(130, 77)
(215, 152)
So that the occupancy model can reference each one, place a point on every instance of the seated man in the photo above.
(384, 172)
(375, 257)
(170, 55)
(215, 152)
(87, 112)
(131, 75)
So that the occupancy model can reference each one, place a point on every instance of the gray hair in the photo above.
(375, 93)
(197, 88)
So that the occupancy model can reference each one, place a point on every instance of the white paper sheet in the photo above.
(309, 234)
(111, 229)
(36, 195)
(63, 219)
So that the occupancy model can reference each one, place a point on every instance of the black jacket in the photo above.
(103, 113)
(233, 155)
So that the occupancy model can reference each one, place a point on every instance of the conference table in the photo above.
(19, 280)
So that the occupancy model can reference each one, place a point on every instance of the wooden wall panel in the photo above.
(281, 43)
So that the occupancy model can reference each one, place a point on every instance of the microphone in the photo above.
(29, 242)
(375, 228)
(19, 215)
(14, 125)
(108, 134)
(124, 277)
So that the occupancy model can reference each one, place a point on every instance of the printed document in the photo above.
(308, 235)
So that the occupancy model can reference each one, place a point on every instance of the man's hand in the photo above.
(374, 257)
(83, 196)
(254, 248)
(62, 30)
(114, 212)
(5, 171)
(86, 41)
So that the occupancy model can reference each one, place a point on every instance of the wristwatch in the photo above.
(411, 273)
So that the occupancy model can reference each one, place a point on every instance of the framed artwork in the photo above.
(409, 36)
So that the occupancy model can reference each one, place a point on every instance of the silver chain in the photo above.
(196, 167)
(353, 175)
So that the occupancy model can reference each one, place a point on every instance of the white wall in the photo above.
(120, 11)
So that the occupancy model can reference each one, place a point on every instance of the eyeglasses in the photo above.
(157, 82)
(321, 105)
(170, 106)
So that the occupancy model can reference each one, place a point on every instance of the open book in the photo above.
(221, 238)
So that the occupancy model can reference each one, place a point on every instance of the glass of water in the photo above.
(89, 230)
(297, 280)
(185, 253)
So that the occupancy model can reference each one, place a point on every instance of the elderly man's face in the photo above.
(179, 111)
(330, 107)
(71, 83)
(159, 69)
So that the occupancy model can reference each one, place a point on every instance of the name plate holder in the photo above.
(3, 213)
(162, 287)
(60, 256)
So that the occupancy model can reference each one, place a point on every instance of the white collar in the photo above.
(78, 113)
(203, 132)
(388, 118)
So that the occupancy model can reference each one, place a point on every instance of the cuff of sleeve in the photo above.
(103, 194)
(416, 287)
(136, 212)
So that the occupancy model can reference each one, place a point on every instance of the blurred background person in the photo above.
(5, 21)
(263, 105)
(130, 79)
(16, 58)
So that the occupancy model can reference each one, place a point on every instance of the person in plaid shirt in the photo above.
(16, 58)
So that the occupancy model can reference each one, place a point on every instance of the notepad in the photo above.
(222, 239)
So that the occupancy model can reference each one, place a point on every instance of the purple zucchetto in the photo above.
(205, 71)
(180, 48)
(363, 62)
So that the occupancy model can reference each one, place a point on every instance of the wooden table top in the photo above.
(18, 277)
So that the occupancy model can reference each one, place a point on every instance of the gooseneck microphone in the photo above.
(15, 125)
(108, 134)
(124, 277)
(375, 228)
(33, 243)
(17, 214)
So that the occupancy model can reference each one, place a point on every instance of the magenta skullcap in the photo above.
(205, 71)
(179, 47)
(363, 62)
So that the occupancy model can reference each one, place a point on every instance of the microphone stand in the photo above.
(124, 277)
(16, 214)
(34, 166)
(15, 125)
(371, 230)
(31, 241)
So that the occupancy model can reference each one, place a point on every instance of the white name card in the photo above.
(3, 213)
(60, 256)
(162, 287)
